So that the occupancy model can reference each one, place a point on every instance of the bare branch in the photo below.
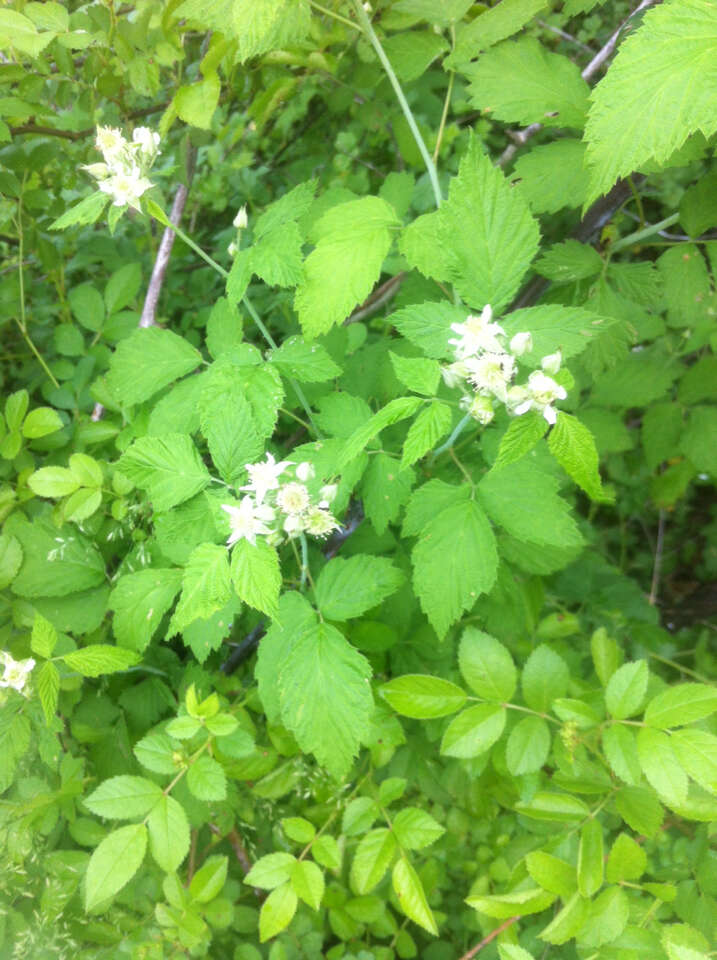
(491, 936)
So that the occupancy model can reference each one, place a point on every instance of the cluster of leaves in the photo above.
(465, 722)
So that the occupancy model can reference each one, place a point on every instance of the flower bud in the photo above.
(481, 409)
(232, 249)
(328, 492)
(551, 363)
(305, 471)
(521, 343)
(241, 220)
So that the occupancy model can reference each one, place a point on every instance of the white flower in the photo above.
(16, 671)
(477, 334)
(97, 170)
(264, 476)
(246, 521)
(453, 374)
(305, 472)
(126, 188)
(520, 344)
(320, 523)
(328, 492)
(481, 409)
(293, 498)
(551, 363)
(543, 391)
(148, 142)
(491, 372)
(110, 142)
(294, 524)
(241, 220)
(516, 398)
(232, 249)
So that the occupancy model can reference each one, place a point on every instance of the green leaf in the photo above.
(384, 490)
(122, 287)
(524, 501)
(637, 380)
(277, 911)
(528, 746)
(573, 446)
(208, 882)
(276, 256)
(100, 658)
(428, 326)
(419, 374)
(661, 766)
(40, 422)
(271, 871)
(43, 638)
(567, 922)
(554, 806)
(411, 896)
(206, 779)
(492, 26)
(553, 175)
(696, 751)
(555, 327)
(551, 873)
(681, 704)
(224, 328)
(627, 860)
(352, 242)
(256, 575)
(695, 442)
(625, 691)
(114, 863)
(359, 815)
(486, 665)
(306, 362)
(607, 917)
(683, 942)
(519, 81)
(139, 601)
(206, 586)
(649, 103)
(307, 882)
(590, 859)
(326, 699)
(55, 562)
(48, 689)
(423, 697)
(454, 561)
(416, 829)
(685, 285)
(640, 809)
(168, 834)
(372, 859)
(10, 558)
(569, 261)
(295, 617)
(698, 207)
(511, 951)
(227, 422)
(148, 360)
(429, 500)
(432, 423)
(521, 436)
(348, 588)
(519, 904)
(298, 829)
(545, 678)
(124, 798)
(169, 468)
(392, 413)
(155, 751)
(86, 211)
(52, 482)
(473, 731)
(412, 53)
(183, 728)
(195, 103)
(620, 748)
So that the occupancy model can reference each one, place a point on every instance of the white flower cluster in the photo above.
(274, 509)
(16, 672)
(240, 222)
(483, 361)
(123, 175)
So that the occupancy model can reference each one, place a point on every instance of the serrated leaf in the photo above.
(114, 863)
(625, 691)
(428, 326)
(620, 748)
(573, 446)
(640, 809)
(306, 362)
(208, 882)
(206, 779)
(590, 859)
(408, 888)
(139, 601)
(661, 766)
(86, 211)
(169, 468)
(48, 689)
(277, 911)
(384, 490)
(431, 424)
(561, 807)
(423, 697)
(54, 562)
(553, 175)
(416, 829)
(146, 361)
(100, 658)
(555, 327)
(567, 922)
(256, 575)
(168, 833)
(697, 752)
(227, 422)
(195, 103)
(551, 873)
(307, 881)
(681, 704)
(276, 255)
(206, 586)
(528, 746)
(348, 588)
(473, 731)
(545, 678)
(521, 903)
(325, 696)
(352, 242)
(43, 638)
(419, 374)
(521, 436)
(649, 102)
(372, 859)
(569, 261)
(271, 870)
(124, 797)
(486, 665)
(224, 328)
(627, 860)
(519, 81)
(155, 751)
(392, 413)
(454, 562)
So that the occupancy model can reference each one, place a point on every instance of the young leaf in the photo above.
(169, 468)
(568, 922)
(256, 575)
(590, 859)
(325, 695)
(521, 436)
(227, 422)
(271, 871)
(551, 873)
(306, 362)
(627, 860)
(100, 658)
(473, 731)
(393, 412)
(155, 751)
(384, 490)
(44, 637)
(146, 361)
(139, 601)
(486, 665)
(416, 829)
(352, 242)
(454, 561)
(545, 678)
(114, 863)
(409, 890)
(277, 911)
(168, 833)
(696, 751)
(521, 903)
(208, 882)
(307, 882)
(419, 374)
(348, 588)
(620, 748)
(573, 446)
(206, 586)
(432, 423)
(52, 482)
(423, 697)
(681, 704)
(48, 689)
(528, 746)
(661, 766)
(124, 797)
(206, 779)
(86, 211)
(372, 859)
(428, 326)
(626, 688)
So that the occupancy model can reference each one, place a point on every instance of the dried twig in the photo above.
(491, 936)
(377, 298)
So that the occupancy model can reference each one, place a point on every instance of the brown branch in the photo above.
(491, 936)
(35, 128)
(377, 298)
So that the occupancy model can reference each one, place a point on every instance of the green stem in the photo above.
(460, 426)
(164, 219)
(330, 13)
(22, 321)
(678, 666)
(639, 235)
(444, 116)
(407, 112)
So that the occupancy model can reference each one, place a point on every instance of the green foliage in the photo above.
(357, 594)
